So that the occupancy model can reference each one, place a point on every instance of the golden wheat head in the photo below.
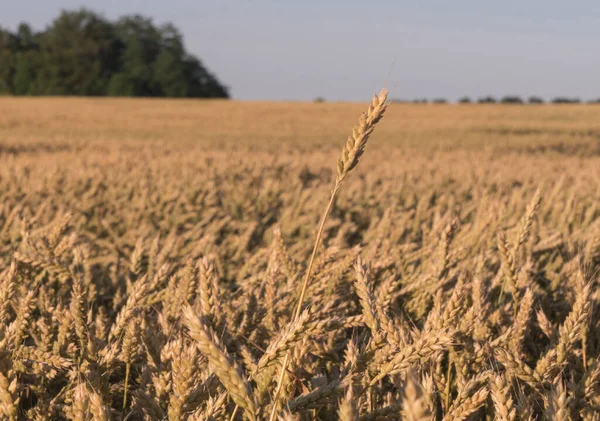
(355, 145)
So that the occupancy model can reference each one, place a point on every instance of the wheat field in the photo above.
(154, 254)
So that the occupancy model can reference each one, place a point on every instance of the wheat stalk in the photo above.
(351, 153)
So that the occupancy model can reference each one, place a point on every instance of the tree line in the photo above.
(82, 53)
(510, 99)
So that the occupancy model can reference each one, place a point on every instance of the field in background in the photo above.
(300, 125)
(478, 297)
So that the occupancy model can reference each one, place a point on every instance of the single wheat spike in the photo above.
(568, 334)
(414, 402)
(320, 394)
(557, 404)
(78, 311)
(469, 406)
(525, 227)
(19, 328)
(284, 341)
(207, 293)
(182, 373)
(79, 408)
(347, 409)
(230, 374)
(510, 271)
(9, 402)
(546, 325)
(7, 291)
(421, 350)
(355, 145)
(128, 353)
(353, 149)
(504, 407)
(99, 411)
(521, 322)
(130, 308)
(365, 294)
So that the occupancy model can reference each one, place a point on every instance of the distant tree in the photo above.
(464, 100)
(420, 101)
(82, 53)
(511, 99)
(9, 45)
(565, 100)
(78, 54)
(535, 100)
(594, 101)
(169, 67)
(25, 36)
(122, 84)
(319, 100)
(26, 68)
(140, 48)
(203, 84)
(439, 101)
(487, 100)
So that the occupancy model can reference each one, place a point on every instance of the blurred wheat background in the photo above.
(152, 253)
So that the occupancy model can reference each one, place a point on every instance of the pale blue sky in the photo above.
(347, 49)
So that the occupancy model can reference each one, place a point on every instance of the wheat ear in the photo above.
(353, 149)
(504, 407)
(414, 401)
(228, 371)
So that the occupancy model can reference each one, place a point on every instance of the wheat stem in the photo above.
(303, 294)
(127, 371)
(351, 153)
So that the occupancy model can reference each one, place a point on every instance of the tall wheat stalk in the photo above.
(353, 150)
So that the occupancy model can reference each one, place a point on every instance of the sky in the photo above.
(345, 50)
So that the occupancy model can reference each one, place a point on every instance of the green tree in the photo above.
(140, 48)
(8, 48)
(565, 100)
(169, 67)
(78, 52)
(25, 36)
(203, 83)
(82, 53)
(487, 100)
(27, 61)
(511, 99)
(24, 80)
